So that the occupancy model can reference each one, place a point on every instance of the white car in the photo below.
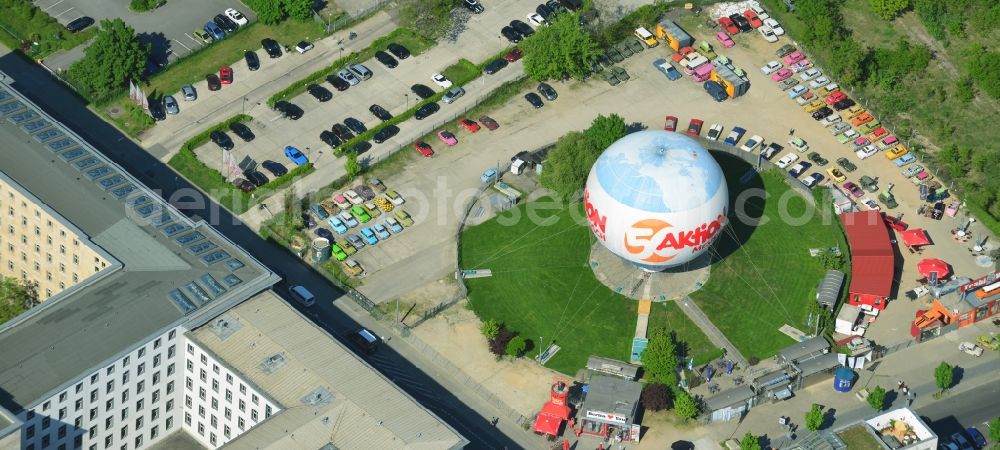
(786, 160)
(441, 80)
(866, 151)
(536, 20)
(751, 144)
(798, 144)
(851, 134)
(812, 180)
(819, 82)
(304, 46)
(353, 197)
(840, 128)
(770, 68)
(762, 15)
(758, 9)
(714, 132)
(971, 349)
(870, 204)
(775, 27)
(809, 74)
(237, 17)
(830, 120)
(768, 35)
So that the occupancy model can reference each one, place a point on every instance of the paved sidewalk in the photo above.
(713, 333)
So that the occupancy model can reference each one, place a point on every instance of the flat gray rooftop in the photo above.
(166, 269)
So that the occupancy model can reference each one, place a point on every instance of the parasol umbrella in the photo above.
(691, 364)
(933, 265)
(915, 237)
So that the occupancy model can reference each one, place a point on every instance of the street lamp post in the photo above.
(245, 105)
(407, 101)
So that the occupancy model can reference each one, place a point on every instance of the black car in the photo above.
(213, 82)
(424, 111)
(495, 66)
(271, 47)
(252, 62)
(360, 148)
(380, 112)
(241, 130)
(385, 133)
(556, 6)
(222, 140)
(308, 220)
(546, 90)
(366, 340)
(398, 51)
(843, 104)
(78, 25)
(522, 28)
(338, 83)
(225, 23)
(386, 59)
(330, 138)
(511, 35)
(244, 185)
(534, 99)
(319, 92)
(422, 91)
(822, 113)
(544, 11)
(342, 132)
(258, 179)
(474, 6)
(277, 169)
(288, 110)
(355, 125)
(324, 233)
(156, 110)
(741, 22)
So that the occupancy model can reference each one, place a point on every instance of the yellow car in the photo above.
(852, 112)
(814, 106)
(835, 174)
(352, 267)
(346, 247)
(383, 203)
(896, 152)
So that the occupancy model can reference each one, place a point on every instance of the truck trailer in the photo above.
(673, 35)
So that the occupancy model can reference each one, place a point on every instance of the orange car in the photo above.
(862, 119)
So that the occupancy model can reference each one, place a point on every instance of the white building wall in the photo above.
(129, 404)
(218, 404)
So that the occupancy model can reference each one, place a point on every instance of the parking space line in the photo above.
(199, 43)
(182, 45)
(53, 5)
(64, 12)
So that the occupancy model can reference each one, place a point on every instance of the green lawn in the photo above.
(763, 277)
(462, 72)
(23, 21)
(542, 287)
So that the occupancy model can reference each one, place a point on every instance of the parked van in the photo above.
(365, 340)
(302, 295)
(646, 37)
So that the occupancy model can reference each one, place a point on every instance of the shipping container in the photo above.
(673, 35)
(734, 85)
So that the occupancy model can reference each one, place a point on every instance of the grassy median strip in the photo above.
(462, 72)
(413, 42)
(22, 21)
(214, 184)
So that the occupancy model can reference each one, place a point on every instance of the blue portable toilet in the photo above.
(843, 379)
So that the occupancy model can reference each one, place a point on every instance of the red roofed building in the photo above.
(872, 259)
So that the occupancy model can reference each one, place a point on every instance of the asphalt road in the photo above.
(63, 104)
(973, 408)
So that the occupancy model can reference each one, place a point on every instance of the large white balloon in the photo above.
(657, 199)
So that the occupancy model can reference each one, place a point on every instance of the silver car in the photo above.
(189, 93)
(347, 76)
(170, 104)
(361, 71)
(453, 94)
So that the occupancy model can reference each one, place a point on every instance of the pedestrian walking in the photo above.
(791, 131)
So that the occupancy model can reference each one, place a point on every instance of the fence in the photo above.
(348, 19)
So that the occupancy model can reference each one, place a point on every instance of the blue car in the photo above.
(666, 69)
(905, 159)
(734, 136)
(367, 234)
(320, 212)
(296, 156)
(382, 233)
(337, 225)
(488, 176)
(393, 225)
(977, 438)
(213, 30)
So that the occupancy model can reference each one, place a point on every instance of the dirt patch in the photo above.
(910, 24)
(416, 302)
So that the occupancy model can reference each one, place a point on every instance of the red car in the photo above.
(489, 123)
(685, 50)
(854, 189)
(728, 25)
(670, 124)
(226, 75)
(424, 148)
(469, 124)
(835, 97)
(513, 55)
(694, 128)
(753, 18)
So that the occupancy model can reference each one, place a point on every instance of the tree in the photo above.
(659, 359)
(351, 165)
(292, 214)
(814, 418)
(684, 405)
(269, 12)
(984, 68)
(655, 397)
(605, 130)
(561, 48)
(888, 9)
(995, 431)
(114, 57)
(750, 442)
(430, 18)
(568, 165)
(144, 5)
(298, 9)
(16, 297)
(498, 345)
(489, 328)
(876, 399)
(943, 376)
(516, 346)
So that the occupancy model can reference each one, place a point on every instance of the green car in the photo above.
(888, 199)
(620, 73)
(869, 183)
(610, 77)
(346, 246)
(203, 36)
(360, 213)
(869, 127)
(846, 164)
(614, 55)
(706, 50)
(624, 49)
(818, 159)
(338, 252)
(634, 45)
(403, 217)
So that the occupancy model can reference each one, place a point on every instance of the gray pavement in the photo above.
(712, 332)
(168, 28)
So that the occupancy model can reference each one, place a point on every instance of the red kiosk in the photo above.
(554, 411)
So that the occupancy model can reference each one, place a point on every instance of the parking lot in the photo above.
(168, 28)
